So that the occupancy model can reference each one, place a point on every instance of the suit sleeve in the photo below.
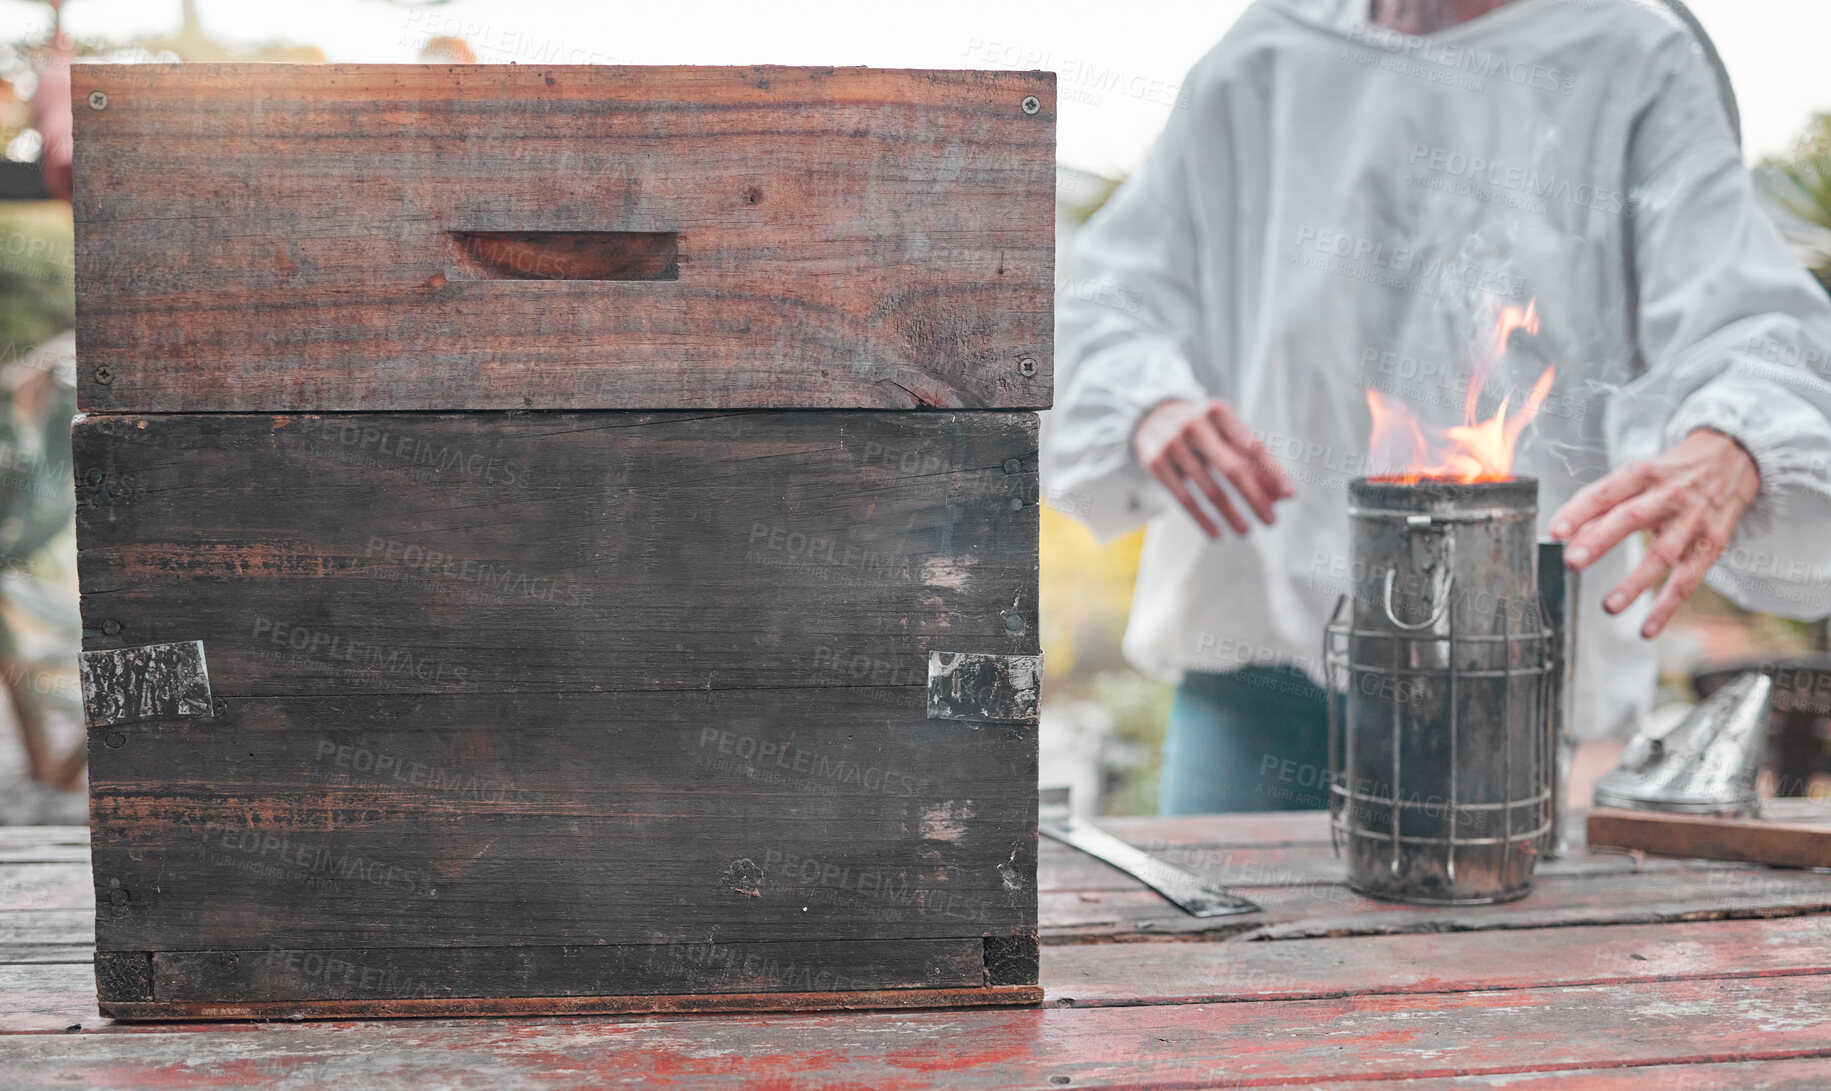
(1735, 337)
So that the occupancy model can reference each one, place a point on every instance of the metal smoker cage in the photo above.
(1441, 752)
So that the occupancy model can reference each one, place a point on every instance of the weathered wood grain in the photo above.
(1323, 910)
(283, 238)
(1306, 865)
(279, 974)
(29, 936)
(1096, 975)
(705, 1003)
(1519, 1031)
(508, 683)
(46, 998)
(54, 996)
(46, 885)
(1554, 1006)
(1789, 1074)
(1746, 840)
(464, 820)
(560, 552)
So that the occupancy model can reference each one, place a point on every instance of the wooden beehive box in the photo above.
(560, 539)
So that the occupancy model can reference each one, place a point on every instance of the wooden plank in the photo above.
(1246, 829)
(46, 935)
(64, 852)
(560, 552)
(280, 238)
(1067, 869)
(46, 998)
(1746, 840)
(1181, 973)
(397, 973)
(186, 1011)
(1793, 1074)
(1414, 1036)
(564, 819)
(1095, 975)
(1249, 829)
(15, 839)
(1330, 909)
(47, 885)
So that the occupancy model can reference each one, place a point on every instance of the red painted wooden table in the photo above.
(1616, 972)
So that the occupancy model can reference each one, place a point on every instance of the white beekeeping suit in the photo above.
(1337, 208)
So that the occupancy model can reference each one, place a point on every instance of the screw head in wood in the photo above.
(98, 100)
(111, 627)
(1012, 465)
(1031, 104)
(1014, 623)
(1027, 365)
(116, 740)
(1016, 504)
(117, 896)
(95, 477)
(104, 375)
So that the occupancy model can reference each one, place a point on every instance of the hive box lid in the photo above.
(425, 237)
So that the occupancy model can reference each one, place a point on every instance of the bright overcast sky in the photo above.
(1775, 49)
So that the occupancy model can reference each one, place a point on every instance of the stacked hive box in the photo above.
(561, 539)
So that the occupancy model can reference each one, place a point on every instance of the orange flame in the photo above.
(1476, 450)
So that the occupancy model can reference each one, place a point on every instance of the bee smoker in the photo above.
(1446, 693)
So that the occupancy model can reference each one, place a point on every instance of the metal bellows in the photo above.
(1705, 764)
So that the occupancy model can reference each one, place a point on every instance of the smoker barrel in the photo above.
(1441, 748)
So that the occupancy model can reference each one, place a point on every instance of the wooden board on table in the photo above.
(34, 936)
(281, 238)
(43, 844)
(1747, 840)
(561, 704)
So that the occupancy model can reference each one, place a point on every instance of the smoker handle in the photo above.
(1443, 601)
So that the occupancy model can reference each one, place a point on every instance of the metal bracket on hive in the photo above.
(151, 682)
(1000, 689)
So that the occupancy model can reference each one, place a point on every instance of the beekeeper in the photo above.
(1356, 197)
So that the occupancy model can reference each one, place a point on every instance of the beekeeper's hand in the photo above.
(1691, 498)
(1193, 446)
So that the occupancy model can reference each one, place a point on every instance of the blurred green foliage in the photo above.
(37, 274)
(1807, 194)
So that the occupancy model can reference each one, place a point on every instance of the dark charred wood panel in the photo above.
(278, 238)
(709, 966)
(124, 976)
(565, 680)
(546, 553)
(465, 820)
